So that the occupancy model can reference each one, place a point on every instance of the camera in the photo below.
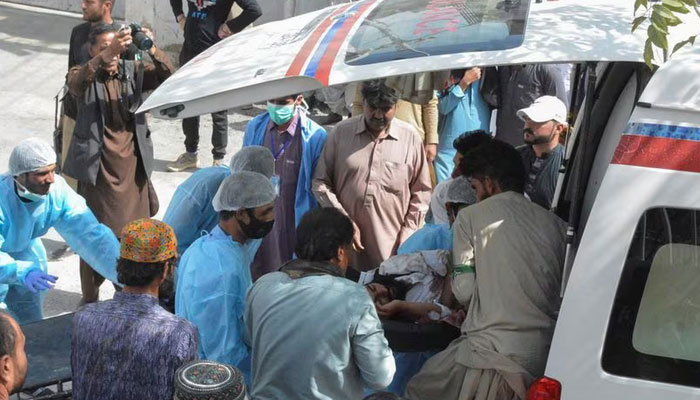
(140, 40)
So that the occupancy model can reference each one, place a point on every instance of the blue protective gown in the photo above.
(22, 224)
(459, 112)
(429, 237)
(190, 211)
(212, 280)
(313, 139)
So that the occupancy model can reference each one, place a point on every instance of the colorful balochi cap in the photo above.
(148, 240)
(209, 380)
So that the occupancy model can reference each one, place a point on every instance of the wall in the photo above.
(70, 5)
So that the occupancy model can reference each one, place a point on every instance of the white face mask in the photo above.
(24, 193)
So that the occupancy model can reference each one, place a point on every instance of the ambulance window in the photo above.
(654, 329)
(401, 29)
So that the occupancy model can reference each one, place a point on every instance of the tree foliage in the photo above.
(662, 15)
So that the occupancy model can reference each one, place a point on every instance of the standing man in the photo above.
(296, 143)
(508, 256)
(130, 347)
(205, 25)
(374, 169)
(310, 305)
(519, 86)
(13, 359)
(214, 273)
(111, 153)
(32, 200)
(545, 122)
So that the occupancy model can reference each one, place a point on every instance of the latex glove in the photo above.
(36, 281)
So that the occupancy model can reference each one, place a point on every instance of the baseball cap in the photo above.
(545, 108)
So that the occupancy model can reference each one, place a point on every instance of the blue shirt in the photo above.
(128, 348)
(190, 211)
(212, 280)
(429, 237)
(317, 337)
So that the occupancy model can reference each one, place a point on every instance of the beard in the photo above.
(530, 138)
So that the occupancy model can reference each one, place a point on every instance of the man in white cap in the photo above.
(545, 122)
(32, 200)
(214, 273)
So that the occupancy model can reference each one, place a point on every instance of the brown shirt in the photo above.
(382, 184)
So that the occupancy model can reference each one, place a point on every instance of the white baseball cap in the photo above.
(545, 108)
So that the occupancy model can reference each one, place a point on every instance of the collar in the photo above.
(145, 298)
(291, 129)
(302, 268)
(360, 128)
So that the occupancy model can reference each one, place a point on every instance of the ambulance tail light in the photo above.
(544, 389)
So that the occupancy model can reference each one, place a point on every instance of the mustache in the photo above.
(378, 120)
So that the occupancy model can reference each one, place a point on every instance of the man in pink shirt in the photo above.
(374, 169)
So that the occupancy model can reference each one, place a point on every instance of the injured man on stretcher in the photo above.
(413, 285)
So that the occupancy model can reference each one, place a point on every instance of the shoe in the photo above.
(218, 162)
(329, 119)
(185, 161)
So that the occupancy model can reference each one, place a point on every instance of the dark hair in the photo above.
(321, 232)
(225, 215)
(377, 94)
(496, 160)
(139, 274)
(8, 335)
(98, 29)
(383, 396)
(469, 140)
(396, 288)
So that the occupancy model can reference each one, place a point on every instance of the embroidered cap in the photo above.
(200, 380)
(148, 240)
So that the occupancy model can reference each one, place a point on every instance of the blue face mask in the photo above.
(280, 115)
(24, 193)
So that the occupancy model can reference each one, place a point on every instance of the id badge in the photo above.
(275, 179)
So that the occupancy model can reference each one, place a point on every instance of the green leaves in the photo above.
(662, 16)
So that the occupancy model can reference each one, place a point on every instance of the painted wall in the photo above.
(70, 5)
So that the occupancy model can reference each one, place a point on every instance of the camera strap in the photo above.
(138, 90)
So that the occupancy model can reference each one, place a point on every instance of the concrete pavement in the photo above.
(33, 64)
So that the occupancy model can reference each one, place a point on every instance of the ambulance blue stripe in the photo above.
(663, 131)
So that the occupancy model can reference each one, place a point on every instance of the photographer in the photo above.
(111, 153)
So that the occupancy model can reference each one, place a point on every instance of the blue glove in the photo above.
(35, 281)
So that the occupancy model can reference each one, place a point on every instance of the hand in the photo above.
(224, 31)
(37, 281)
(430, 151)
(181, 21)
(390, 309)
(456, 318)
(356, 239)
(472, 75)
(122, 40)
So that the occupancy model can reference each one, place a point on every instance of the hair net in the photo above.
(243, 189)
(460, 191)
(254, 158)
(30, 155)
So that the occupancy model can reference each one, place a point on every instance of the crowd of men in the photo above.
(280, 274)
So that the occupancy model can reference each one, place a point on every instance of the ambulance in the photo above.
(629, 323)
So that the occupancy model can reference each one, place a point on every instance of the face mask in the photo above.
(24, 193)
(280, 115)
(256, 229)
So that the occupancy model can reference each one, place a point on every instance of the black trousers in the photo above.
(219, 134)
(190, 126)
